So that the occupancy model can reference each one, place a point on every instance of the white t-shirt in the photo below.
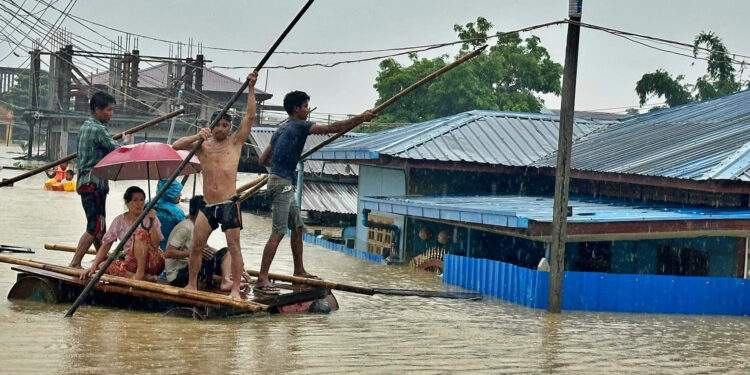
(182, 239)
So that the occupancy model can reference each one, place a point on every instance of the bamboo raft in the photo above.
(47, 283)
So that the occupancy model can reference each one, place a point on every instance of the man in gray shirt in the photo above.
(282, 156)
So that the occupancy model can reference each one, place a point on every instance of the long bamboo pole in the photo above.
(371, 291)
(70, 157)
(316, 282)
(70, 249)
(145, 285)
(383, 106)
(182, 165)
(251, 183)
(332, 285)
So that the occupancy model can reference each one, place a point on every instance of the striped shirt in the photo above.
(94, 142)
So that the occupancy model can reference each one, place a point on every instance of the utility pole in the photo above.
(562, 172)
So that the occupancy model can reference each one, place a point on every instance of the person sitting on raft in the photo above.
(143, 259)
(178, 251)
(167, 210)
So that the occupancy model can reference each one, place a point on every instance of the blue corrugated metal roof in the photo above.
(490, 137)
(699, 141)
(517, 211)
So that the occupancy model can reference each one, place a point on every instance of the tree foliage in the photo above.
(18, 95)
(720, 78)
(508, 76)
(661, 83)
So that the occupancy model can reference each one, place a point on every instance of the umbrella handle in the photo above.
(150, 225)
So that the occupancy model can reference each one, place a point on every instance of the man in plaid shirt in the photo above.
(94, 142)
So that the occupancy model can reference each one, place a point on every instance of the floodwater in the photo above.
(369, 334)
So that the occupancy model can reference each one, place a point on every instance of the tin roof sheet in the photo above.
(698, 141)
(261, 137)
(329, 197)
(490, 137)
(517, 211)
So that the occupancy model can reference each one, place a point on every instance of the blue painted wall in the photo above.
(382, 182)
(602, 291)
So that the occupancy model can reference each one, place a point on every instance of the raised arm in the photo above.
(187, 142)
(247, 122)
(343, 125)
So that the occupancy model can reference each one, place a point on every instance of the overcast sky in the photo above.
(608, 66)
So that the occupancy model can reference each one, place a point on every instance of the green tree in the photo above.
(18, 95)
(720, 78)
(508, 76)
(661, 83)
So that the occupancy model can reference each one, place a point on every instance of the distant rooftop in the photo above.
(489, 137)
(699, 141)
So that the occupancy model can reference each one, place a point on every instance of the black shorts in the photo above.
(227, 214)
(94, 202)
(209, 268)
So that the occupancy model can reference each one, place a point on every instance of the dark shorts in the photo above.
(209, 268)
(94, 202)
(227, 214)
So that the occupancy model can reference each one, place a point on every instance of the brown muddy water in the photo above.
(378, 334)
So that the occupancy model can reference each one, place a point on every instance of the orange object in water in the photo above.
(53, 185)
(60, 173)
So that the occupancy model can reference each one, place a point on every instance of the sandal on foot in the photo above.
(310, 276)
(267, 289)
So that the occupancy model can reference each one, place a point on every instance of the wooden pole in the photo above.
(381, 107)
(70, 249)
(72, 156)
(331, 285)
(251, 183)
(562, 172)
(182, 165)
(145, 285)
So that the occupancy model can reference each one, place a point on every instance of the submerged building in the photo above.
(658, 217)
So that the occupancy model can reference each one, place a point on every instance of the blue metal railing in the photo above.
(339, 247)
(595, 291)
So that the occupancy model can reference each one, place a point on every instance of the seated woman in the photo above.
(143, 259)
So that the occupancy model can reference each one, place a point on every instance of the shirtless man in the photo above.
(219, 155)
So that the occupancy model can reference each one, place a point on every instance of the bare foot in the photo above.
(235, 293)
(71, 265)
(149, 277)
(191, 287)
(226, 285)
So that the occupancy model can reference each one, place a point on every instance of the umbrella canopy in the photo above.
(194, 159)
(143, 161)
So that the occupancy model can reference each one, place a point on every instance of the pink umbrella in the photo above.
(143, 161)
(193, 160)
